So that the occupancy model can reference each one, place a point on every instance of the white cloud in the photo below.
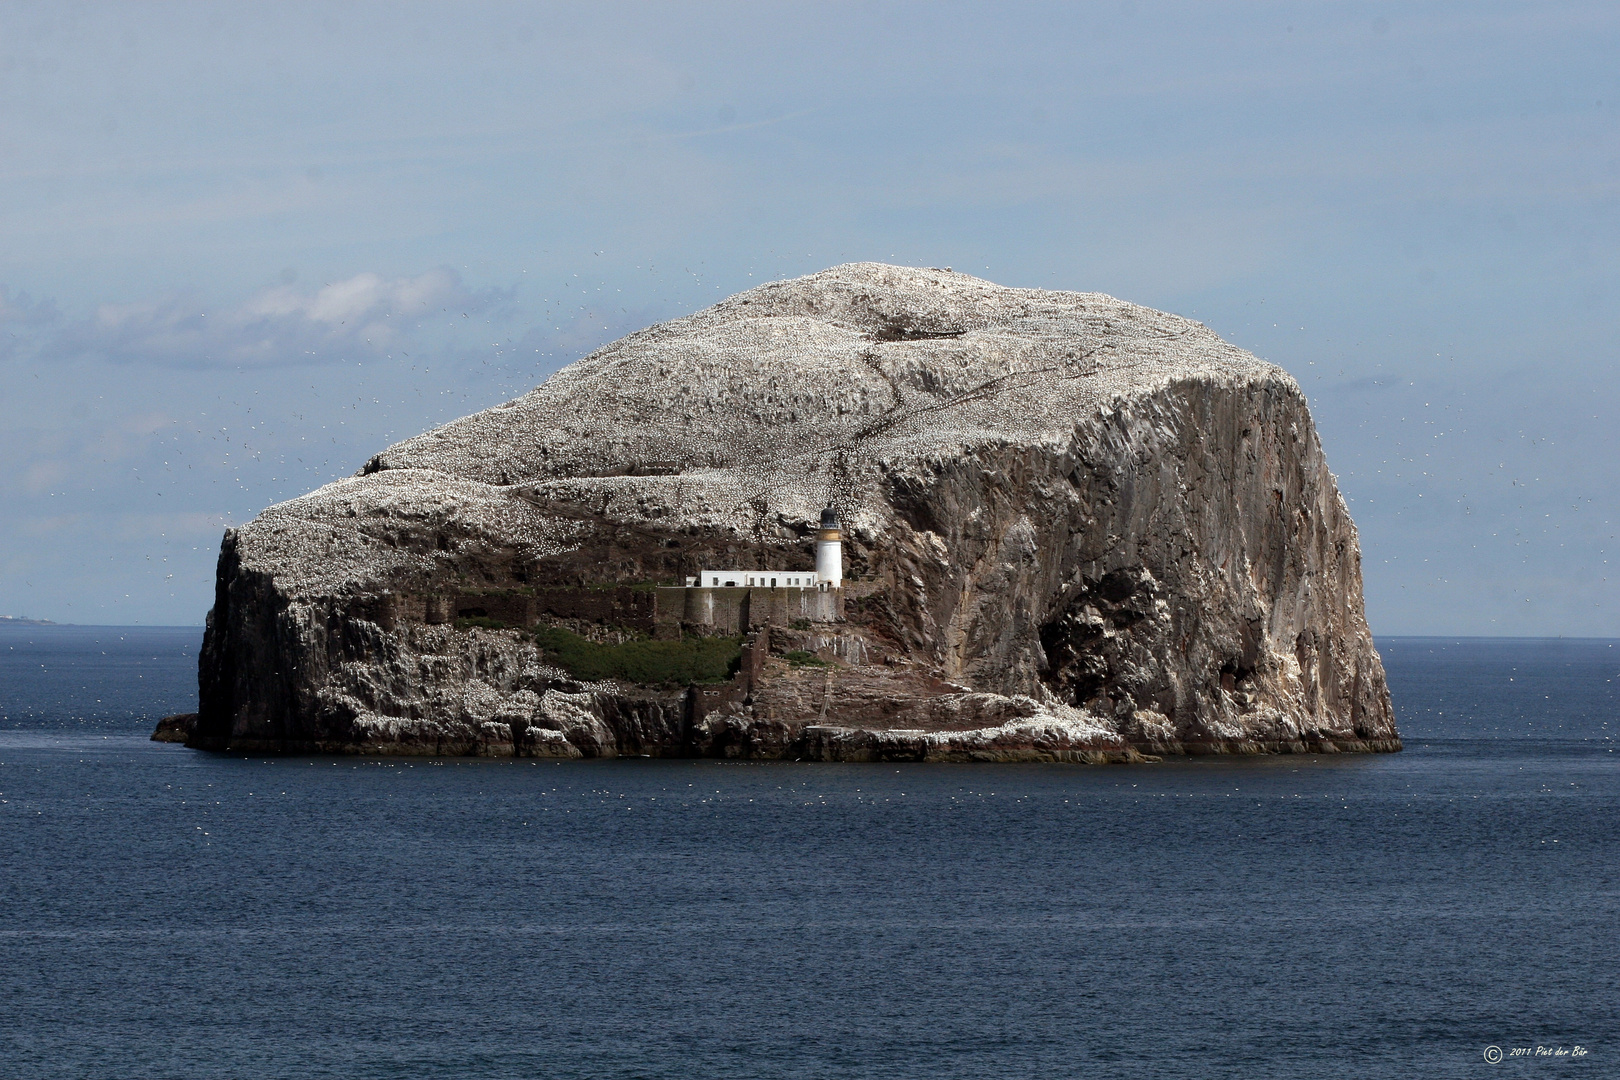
(366, 313)
(361, 300)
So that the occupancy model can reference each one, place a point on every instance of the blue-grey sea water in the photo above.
(169, 913)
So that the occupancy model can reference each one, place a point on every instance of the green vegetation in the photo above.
(482, 621)
(605, 586)
(800, 658)
(536, 590)
(651, 663)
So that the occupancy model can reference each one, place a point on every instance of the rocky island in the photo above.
(1071, 529)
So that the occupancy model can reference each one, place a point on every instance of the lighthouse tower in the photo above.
(829, 552)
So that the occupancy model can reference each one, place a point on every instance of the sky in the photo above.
(245, 247)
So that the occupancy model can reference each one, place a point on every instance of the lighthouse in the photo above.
(829, 552)
(829, 567)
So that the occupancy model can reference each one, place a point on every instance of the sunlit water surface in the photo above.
(169, 913)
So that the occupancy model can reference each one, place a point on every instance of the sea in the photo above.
(1452, 910)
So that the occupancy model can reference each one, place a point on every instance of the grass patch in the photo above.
(482, 621)
(610, 586)
(651, 663)
(800, 658)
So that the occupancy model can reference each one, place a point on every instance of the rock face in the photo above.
(1075, 529)
(176, 728)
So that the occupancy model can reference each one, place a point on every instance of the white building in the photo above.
(829, 572)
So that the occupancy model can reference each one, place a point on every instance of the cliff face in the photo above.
(1075, 529)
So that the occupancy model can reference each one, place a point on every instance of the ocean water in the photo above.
(168, 913)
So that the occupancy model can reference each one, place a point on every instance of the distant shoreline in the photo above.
(12, 620)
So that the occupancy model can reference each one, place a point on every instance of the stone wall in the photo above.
(623, 606)
(664, 611)
(737, 610)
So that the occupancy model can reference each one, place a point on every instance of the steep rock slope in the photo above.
(1075, 529)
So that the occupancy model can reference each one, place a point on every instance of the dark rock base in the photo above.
(177, 728)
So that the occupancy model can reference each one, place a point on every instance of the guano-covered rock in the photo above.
(1073, 529)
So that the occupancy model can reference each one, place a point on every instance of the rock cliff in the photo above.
(1075, 529)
